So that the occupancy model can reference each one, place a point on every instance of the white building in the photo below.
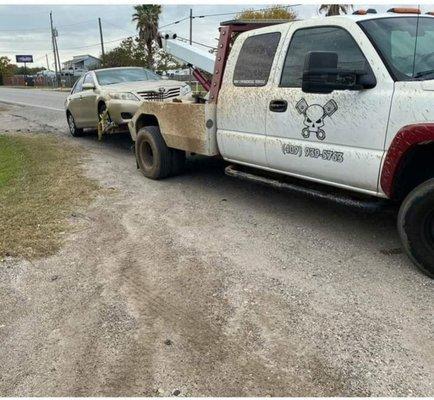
(80, 64)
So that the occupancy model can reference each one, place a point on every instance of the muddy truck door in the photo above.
(243, 99)
(334, 134)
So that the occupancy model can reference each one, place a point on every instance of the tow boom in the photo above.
(188, 53)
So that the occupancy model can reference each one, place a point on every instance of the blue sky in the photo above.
(24, 29)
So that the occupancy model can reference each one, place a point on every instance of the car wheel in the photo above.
(416, 226)
(73, 130)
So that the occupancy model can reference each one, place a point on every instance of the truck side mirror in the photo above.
(322, 75)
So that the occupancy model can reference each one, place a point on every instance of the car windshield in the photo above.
(406, 44)
(112, 76)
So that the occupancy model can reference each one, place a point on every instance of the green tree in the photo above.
(146, 17)
(334, 9)
(6, 68)
(27, 70)
(273, 12)
(130, 53)
(164, 61)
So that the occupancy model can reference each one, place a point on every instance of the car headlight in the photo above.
(124, 96)
(185, 90)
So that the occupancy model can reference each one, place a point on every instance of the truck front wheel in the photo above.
(416, 226)
(154, 158)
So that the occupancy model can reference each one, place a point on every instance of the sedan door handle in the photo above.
(278, 105)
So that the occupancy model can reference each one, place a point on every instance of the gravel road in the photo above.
(209, 286)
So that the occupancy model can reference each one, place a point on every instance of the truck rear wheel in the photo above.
(416, 226)
(154, 158)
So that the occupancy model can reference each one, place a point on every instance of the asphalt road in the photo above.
(210, 286)
(43, 99)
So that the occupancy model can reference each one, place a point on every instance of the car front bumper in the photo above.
(121, 111)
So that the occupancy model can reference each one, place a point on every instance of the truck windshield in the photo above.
(112, 76)
(406, 44)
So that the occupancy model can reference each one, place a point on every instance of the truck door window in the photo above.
(255, 60)
(332, 39)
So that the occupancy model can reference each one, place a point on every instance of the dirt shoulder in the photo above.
(210, 286)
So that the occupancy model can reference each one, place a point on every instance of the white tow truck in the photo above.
(338, 108)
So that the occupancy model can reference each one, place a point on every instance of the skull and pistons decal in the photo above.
(314, 116)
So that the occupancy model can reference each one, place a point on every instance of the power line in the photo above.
(71, 48)
(97, 44)
(163, 26)
(175, 22)
(135, 34)
(118, 27)
(44, 29)
(200, 44)
(221, 14)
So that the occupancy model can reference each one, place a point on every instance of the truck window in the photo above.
(255, 60)
(406, 44)
(332, 39)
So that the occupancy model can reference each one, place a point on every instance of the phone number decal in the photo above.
(313, 152)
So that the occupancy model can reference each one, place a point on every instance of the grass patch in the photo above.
(41, 183)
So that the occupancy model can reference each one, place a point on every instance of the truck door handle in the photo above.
(278, 105)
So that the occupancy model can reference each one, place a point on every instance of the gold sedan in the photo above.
(111, 96)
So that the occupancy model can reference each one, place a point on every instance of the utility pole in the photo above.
(191, 25)
(191, 40)
(48, 65)
(54, 46)
(58, 57)
(101, 37)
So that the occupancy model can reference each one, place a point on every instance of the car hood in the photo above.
(142, 86)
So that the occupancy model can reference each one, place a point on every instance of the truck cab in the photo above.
(341, 102)
(337, 135)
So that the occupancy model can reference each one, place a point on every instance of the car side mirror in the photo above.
(88, 86)
(322, 75)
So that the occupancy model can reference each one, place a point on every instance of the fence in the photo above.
(40, 81)
(68, 81)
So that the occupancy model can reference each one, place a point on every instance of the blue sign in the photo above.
(24, 58)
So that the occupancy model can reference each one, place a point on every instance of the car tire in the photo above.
(73, 130)
(153, 156)
(416, 226)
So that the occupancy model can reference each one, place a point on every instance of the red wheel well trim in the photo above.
(407, 137)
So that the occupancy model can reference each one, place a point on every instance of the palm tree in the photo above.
(146, 17)
(334, 9)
